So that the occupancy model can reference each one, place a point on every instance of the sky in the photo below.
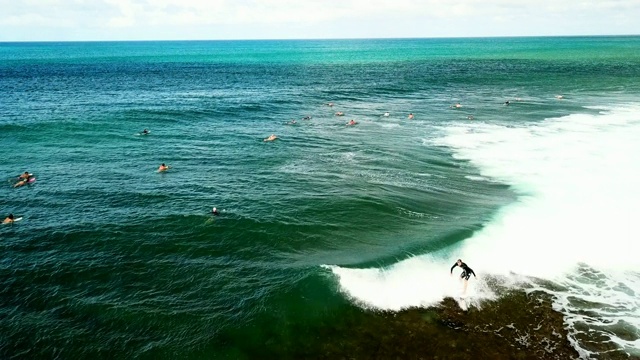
(95, 20)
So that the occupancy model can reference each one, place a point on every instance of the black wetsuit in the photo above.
(466, 270)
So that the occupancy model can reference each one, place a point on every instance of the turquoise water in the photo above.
(114, 259)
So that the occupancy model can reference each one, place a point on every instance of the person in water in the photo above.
(466, 273)
(163, 167)
(352, 122)
(271, 137)
(9, 219)
(23, 179)
(215, 211)
(339, 113)
(410, 116)
(145, 132)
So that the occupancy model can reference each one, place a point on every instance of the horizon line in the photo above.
(323, 39)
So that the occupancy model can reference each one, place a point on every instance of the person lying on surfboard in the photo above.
(163, 167)
(9, 219)
(24, 179)
(466, 273)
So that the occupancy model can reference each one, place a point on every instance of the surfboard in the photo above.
(17, 178)
(462, 302)
(14, 182)
(14, 220)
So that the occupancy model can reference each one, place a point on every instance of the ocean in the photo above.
(113, 259)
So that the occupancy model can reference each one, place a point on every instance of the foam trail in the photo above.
(415, 282)
(574, 222)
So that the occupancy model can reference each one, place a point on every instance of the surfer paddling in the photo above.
(24, 179)
(466, 273)
(9, 220)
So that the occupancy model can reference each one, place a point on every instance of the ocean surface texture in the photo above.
(113, 259)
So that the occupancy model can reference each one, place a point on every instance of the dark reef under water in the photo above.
(518, 325)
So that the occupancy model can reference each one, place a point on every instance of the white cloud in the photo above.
(31, 20)
(136, 19)
(128, 11)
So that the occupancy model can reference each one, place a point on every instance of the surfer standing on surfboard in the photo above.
(466, 273)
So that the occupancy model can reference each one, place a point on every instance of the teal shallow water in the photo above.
(115, 259)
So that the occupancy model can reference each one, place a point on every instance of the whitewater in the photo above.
(571, 232)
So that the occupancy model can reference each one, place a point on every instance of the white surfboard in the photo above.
(14, 220)
(462, 302)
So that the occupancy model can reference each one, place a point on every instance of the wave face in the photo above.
(570, 232)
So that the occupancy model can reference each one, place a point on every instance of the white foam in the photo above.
(415, 282)
(348, 156)
(388, 125)
(476, 178)
(577, 177)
